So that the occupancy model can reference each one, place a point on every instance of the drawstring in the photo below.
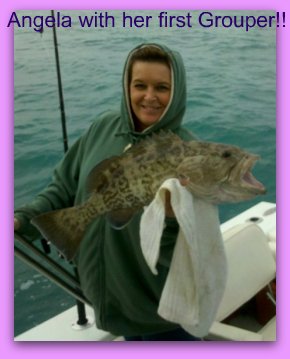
(133, 137)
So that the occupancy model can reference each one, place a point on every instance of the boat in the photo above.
(248, 309)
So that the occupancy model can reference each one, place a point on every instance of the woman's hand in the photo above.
(168, 208)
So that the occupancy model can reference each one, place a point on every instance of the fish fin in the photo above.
(97, 180)
(159, 139)
(59, 228)
(120, 218)
(165, 135)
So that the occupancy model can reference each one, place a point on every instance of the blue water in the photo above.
(231, 98)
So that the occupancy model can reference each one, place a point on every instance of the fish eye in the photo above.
(226, 154)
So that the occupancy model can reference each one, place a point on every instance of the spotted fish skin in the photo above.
(122, 185)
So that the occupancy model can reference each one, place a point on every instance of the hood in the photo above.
(172, 116)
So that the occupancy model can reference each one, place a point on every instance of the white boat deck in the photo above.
(63, 327)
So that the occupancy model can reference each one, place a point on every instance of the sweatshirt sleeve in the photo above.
(58, 194)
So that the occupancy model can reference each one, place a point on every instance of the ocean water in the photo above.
(231, 82)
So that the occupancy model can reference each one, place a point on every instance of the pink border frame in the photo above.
(8, 348)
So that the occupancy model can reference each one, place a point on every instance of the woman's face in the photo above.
(150, 90)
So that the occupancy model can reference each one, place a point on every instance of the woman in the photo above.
(113, 273)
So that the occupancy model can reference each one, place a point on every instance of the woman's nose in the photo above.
(150, 94)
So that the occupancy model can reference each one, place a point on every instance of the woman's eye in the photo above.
(139, 86)
(162, 88)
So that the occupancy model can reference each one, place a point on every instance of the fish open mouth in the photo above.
(247, 178)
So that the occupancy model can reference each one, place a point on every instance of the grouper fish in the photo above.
(122, 185)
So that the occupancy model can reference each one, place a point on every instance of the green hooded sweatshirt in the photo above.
(113, 273)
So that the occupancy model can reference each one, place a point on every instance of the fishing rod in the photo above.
(60, 92)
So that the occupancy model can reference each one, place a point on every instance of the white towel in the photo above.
(197, 274)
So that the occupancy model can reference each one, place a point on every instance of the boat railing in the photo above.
(39, 259)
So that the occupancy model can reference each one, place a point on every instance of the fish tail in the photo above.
(61, 228)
